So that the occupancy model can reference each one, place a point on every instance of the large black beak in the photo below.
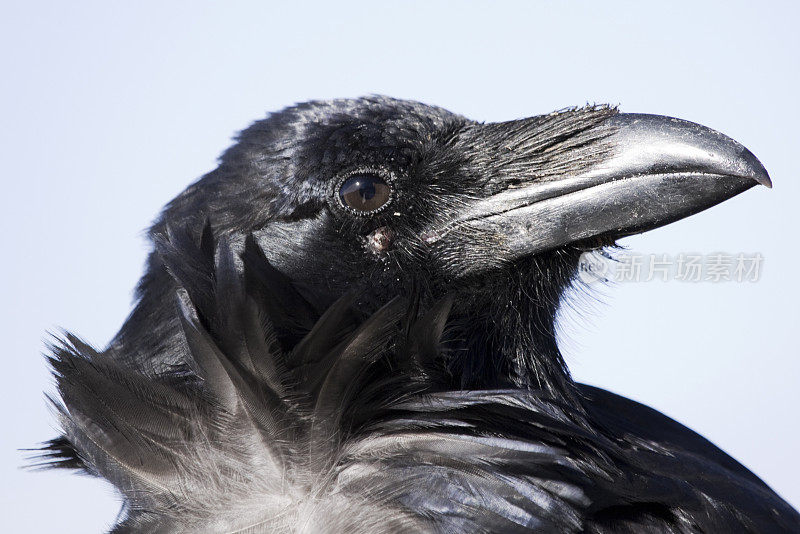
(659, 170)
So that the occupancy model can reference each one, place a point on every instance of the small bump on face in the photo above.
(380, 240)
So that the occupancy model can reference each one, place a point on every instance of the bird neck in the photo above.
(497, 338)
(509, 341)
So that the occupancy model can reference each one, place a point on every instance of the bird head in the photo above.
(381, 197)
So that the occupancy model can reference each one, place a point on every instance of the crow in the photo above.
(349, 326)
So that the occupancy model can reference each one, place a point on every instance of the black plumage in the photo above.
(294, 364)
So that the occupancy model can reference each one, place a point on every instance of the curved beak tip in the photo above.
(756, 170)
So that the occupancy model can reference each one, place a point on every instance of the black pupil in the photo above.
(366, 190)
(364, 193)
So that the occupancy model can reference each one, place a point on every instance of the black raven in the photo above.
(349, 326)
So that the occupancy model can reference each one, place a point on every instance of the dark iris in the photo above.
(364, 193)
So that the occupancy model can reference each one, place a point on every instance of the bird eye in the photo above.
(364, 193)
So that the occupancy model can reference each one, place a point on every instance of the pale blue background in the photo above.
(109, 109)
